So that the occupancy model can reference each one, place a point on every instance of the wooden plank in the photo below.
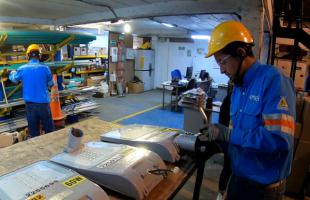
(44, 147)
(170, 186)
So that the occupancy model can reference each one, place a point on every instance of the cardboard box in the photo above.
(77, 51)
(300, 167)
(94, 80)
(305, 134)
(299, 106)
(303, 151)
(298, 128)
(300, 78)
(135, 87)
(2, 59)
(6, 140)
(296, 179)
(83, 51)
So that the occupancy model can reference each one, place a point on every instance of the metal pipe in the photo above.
(4, 92)
(205, 117)
(18, 87)
(261, 35)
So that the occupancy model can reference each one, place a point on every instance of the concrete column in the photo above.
(251, 17)
(157, 69)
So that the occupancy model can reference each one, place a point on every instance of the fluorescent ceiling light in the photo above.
(168, 25)
(107, 23)
(201, 37)
(127, 28)
(120, 21)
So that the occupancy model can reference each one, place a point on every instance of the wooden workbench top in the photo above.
(46, 146)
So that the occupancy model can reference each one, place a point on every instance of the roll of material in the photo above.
(74, 140)
(187, 141)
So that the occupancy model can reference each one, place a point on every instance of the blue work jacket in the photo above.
(262, 121)
(36, 78)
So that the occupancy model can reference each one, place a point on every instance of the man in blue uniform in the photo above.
(261, 133)
(37, 79)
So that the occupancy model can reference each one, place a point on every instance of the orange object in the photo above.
(57, 114)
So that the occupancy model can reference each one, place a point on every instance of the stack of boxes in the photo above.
(301, 162)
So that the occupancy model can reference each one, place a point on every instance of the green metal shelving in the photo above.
(26, 37)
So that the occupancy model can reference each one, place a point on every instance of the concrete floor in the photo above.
(113, 108)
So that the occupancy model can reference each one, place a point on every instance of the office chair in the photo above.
(204, 85)
(191, 84)
(176, 76)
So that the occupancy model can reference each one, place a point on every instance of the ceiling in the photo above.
(59, 12)
(184, 25)
(144, 16)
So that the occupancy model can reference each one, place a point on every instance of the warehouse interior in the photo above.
(126, 81)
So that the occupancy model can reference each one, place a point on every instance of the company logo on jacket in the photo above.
(254, 98)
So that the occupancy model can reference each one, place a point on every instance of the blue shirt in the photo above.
(36, 79)
(263, 120)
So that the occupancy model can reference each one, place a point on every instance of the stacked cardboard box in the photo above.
(305, 135)
(94, 80)
(301, 161)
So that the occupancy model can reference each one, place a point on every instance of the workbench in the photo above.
(46, 146)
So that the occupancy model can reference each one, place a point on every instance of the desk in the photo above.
(204, 85)
(176, 86)
(44, 147)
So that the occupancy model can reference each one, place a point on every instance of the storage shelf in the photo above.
(90, 71)
(10, 62)
(25, 37)
(90, 57)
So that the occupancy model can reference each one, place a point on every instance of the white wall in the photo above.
(161, 49)
(175, 55)
(178, 57)
(208, 64)
(100, 45)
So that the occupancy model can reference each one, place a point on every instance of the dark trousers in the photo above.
(242, 189)
(220, 147)
(39, 113)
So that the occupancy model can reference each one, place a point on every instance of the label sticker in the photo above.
(37, 197)
(74, 181)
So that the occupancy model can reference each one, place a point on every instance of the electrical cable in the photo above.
(160, 172)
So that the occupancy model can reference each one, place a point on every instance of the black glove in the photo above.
(216, 132)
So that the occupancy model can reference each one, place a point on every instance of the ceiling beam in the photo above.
(26, 20)
(158, 9)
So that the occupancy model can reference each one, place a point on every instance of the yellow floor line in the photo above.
(136, 113)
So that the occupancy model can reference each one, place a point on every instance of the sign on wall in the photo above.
(113, 53)
(113, 43)
(130, 54)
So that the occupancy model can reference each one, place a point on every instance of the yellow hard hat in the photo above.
(33, 47)
(146, 45)
(226, 33)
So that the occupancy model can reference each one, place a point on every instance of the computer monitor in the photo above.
(202, 75)
(189, 72)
